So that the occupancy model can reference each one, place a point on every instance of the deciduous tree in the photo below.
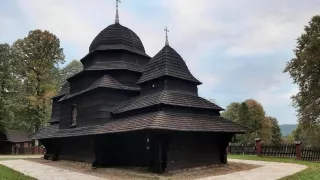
(10, 86)
(38, 56)
(69, 70)
(304, 69)
(232, 112)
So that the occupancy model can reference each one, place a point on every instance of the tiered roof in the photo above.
(155, 120)
(167, 62)
(167, 98)
(105, 81)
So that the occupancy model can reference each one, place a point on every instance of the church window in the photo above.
(74, 112)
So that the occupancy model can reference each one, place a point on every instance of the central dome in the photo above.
(117, 36)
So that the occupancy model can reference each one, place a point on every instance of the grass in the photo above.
(311, 173)
(9, 174)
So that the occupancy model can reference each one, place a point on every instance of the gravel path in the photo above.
(267, 171)
(44, 172)
(20, 156)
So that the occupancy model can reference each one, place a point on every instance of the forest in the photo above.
(33, 69)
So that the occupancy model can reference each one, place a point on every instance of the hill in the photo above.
(287, 128)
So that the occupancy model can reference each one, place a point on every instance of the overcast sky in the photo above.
(238, 49)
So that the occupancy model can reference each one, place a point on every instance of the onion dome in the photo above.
(117, 36)
(167, 62)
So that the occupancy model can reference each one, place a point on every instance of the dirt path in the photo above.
(267, 171)
(44, 172)
(20, 156)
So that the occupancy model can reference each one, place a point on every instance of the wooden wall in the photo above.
(120, 55)
(6, 147)
(93, 107)
(84, 80)
(189, 150)
(170, 84)
(77, 149)
(122, 149)
(55, 110)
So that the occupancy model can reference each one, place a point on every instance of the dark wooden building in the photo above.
(127, 109)
(12, 140)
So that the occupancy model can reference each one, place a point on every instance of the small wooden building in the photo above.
(127, 109)
(12, 140)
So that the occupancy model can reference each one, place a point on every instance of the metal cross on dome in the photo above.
(166, 30)
(117, 14)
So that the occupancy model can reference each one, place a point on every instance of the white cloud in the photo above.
(69, 20)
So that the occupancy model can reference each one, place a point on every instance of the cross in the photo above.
(166, 30)
(117, 1)
(117, 14)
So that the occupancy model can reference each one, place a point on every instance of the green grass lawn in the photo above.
(312, 173)
(9, 174)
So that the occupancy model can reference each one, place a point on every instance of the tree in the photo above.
(243, 119)
(38, 56)
(258, 122)
(5, 85)
(275, 130)
(251, 114)
(304, 69)
(288, 139)
(9, 87)
(71, 69)
(232, 112)
(309, 136)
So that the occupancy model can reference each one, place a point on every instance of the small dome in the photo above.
(117, 36)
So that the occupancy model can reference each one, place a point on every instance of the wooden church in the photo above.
(128, 109)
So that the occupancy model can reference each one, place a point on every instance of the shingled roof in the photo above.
(17, 136)
(64, 90)
(117, 36)
(46, 132)
(105, 81)
(167, 62)
(156, 120)
(168, 98)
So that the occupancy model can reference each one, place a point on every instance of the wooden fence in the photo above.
(278, 150)
(294, 150)
(310, 154)
(242, 149)
(28, 150)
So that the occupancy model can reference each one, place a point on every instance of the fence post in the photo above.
(258, 146)
(298, 149)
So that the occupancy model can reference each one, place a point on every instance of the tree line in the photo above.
(31, 73)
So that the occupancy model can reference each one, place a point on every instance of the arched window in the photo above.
(74, 112)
